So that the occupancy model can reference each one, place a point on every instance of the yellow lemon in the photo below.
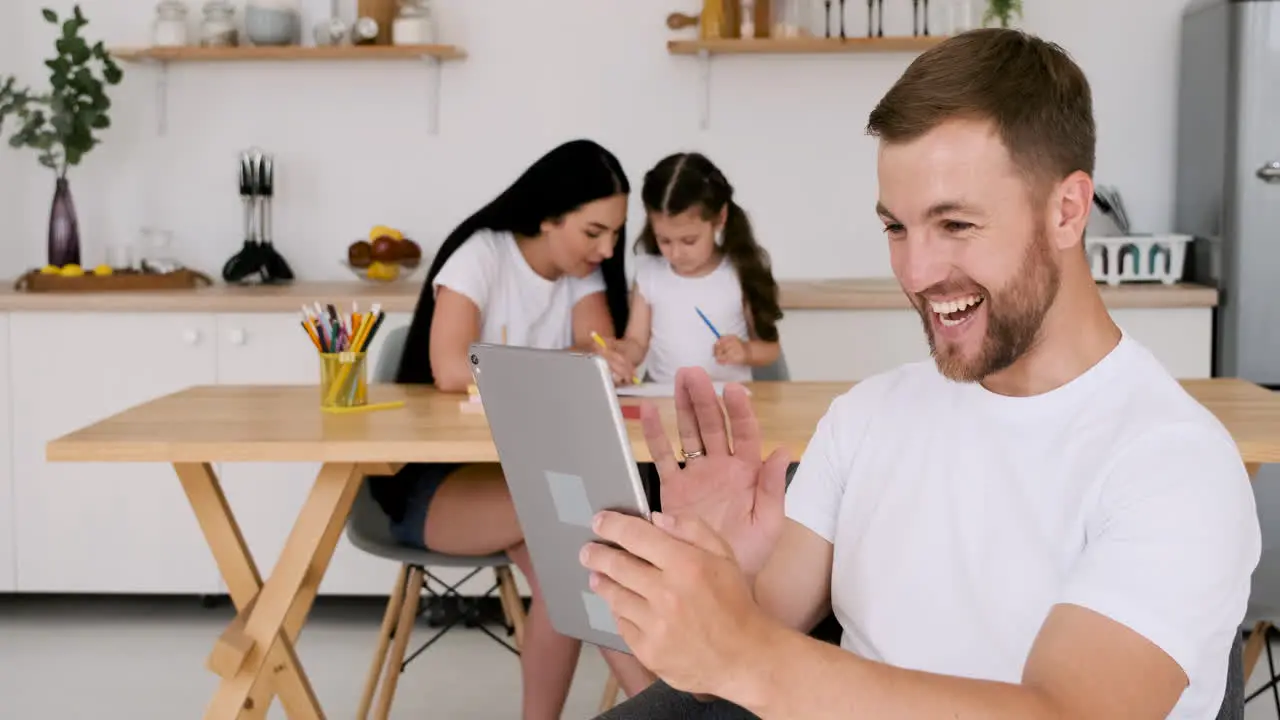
(384, 231)
(71, 270)
(383, 271)
(394, 234)
(50, 270)
(103, 270)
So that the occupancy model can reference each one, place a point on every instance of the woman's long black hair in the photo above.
(566, 178)
(690, 180)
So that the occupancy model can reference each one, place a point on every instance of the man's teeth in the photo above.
(950, 306)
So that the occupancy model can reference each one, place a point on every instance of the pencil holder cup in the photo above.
(343, 380)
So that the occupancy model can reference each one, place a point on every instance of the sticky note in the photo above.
(569, 494)
(598, 615)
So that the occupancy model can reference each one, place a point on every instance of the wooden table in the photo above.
(196, 428)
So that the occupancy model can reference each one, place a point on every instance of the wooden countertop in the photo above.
(284, 423)
(843, 294)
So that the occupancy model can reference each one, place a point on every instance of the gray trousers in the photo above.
(662, 702)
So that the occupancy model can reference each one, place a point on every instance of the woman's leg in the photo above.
(472, 514)
(632, 676)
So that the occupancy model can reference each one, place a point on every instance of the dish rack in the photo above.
(1137, 258)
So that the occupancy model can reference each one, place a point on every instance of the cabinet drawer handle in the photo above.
(237, 337)
(191, 337)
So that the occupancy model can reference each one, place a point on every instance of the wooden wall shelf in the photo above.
(802, 46)
(288, 53)
(704, 49)
(163, 57)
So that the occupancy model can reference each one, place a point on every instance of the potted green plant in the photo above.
(1002, 10)
(60, 124)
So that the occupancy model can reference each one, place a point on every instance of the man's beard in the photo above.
(1014, 316)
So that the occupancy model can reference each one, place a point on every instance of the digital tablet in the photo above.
(564, 450)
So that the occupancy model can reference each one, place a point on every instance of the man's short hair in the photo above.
(1031, 89)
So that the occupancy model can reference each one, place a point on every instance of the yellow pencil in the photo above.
(635, 379)
(504, 334)
(311, 333)
(366, 408)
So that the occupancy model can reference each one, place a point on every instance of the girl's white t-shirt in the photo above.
(490, 270)
(678, 337)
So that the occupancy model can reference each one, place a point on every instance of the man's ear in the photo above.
(1070, 205)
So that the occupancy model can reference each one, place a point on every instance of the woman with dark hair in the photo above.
(704, 294)
(539, 266)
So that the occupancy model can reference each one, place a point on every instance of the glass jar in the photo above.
(413, 24)
(219, 26)
(170, 28)
(791, 19)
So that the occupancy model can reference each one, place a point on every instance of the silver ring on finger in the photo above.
(691, 455)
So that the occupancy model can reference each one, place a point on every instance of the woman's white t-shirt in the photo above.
(677, 336)
(490, 270)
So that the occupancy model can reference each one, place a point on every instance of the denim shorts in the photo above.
(422, 481)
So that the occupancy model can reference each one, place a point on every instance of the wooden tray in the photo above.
(127, 281)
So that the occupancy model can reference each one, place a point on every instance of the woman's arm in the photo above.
(591, 314)
(454, 327)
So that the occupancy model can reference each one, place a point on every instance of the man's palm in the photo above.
(735, 493)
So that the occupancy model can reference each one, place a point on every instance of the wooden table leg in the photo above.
(272, 615)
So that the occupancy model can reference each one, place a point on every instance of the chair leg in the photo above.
(1253, 648)
(384, 639)
(509, 596)
(408, 614)
(610, 693)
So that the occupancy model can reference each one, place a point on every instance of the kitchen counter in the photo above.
(844, 294)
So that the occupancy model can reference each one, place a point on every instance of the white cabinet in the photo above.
(102, 527)
(272, 349)
(852, 345)
(8, 572)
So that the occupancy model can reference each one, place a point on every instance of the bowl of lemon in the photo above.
(386, 256)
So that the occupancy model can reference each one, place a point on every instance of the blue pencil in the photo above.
(708, 322)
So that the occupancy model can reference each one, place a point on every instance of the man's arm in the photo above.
(794, 587)
(1083, 665)
(1152, 604)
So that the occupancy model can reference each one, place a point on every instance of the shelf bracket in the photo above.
(433, 90)
(704, 63)
(162, 98)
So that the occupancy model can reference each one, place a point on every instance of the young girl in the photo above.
(540, 266)
(703, 295)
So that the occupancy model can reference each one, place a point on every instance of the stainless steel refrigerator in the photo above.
(1228, 197)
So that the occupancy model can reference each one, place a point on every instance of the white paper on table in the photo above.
(659, 390)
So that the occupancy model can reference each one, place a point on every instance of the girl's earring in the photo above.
(719, 237)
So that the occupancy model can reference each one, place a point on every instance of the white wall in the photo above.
(353, 151)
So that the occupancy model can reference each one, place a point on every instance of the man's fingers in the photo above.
(771, 489)
(686, 419)
(697, 386)
(620, 566)
(625, 605)
(695, 532)
(639, 538)
(659, 444)
(743, 423)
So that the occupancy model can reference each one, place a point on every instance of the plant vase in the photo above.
(1001, 13)
(64, 231)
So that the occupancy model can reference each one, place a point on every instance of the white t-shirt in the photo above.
(678, 337)
(490, 270)
(961, 517)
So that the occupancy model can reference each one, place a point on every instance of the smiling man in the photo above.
(1037, 523)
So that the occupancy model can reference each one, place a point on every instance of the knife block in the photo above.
(383, 11)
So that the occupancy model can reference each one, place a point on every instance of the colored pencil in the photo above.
(706, 320)
(635, 379)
